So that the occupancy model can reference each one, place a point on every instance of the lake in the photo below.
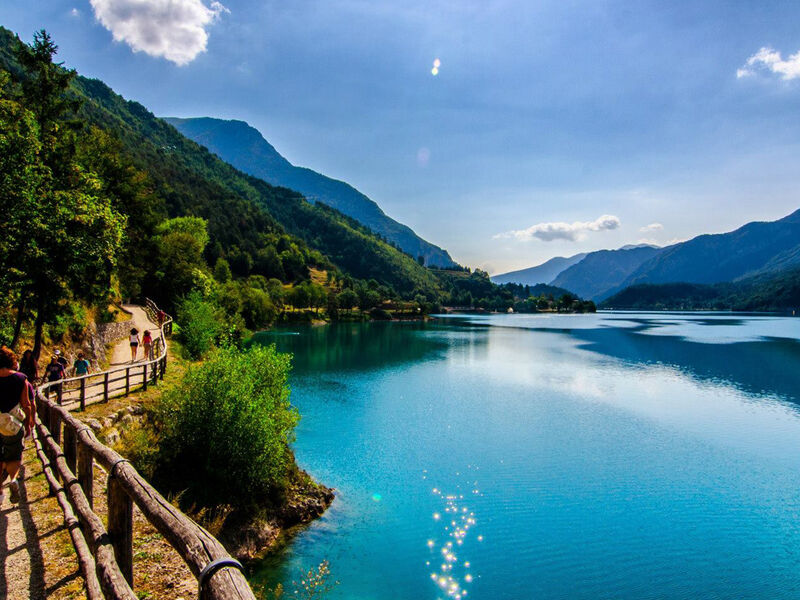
(616, 455)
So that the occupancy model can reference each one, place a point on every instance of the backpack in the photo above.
(12, 421)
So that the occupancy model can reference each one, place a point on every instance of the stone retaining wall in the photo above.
(101, 335)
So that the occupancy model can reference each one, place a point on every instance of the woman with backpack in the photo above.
(16, 420)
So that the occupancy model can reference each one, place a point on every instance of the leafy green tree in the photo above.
(200, 324)
(180, 266)
(65, 238)
(257, 308)
(222, 271)
(21, 177)
(299, 296)
(347, 299)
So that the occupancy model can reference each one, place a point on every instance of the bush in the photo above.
(200, 324)
(139, 444)
(226, 429)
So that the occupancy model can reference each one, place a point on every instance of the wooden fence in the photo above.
(69, 451)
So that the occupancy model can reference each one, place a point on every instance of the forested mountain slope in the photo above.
(245, 148)
(246, 216)
(754, 247)
(602, 271)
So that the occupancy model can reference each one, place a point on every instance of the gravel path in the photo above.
(36, 557)
(122, 349)
(37, 561)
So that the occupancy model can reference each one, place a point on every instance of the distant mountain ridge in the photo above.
(543, 273)
(245, 148)
(603, 270)
(755, 251)
(715, 258)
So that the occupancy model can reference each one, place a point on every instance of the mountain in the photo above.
(245, 148)
(776, 291)
(753, 248)
(602, 271)
(543, 273)
(259, 228)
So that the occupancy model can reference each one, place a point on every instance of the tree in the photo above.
(222, 271)
(347, 299)
(65, 237)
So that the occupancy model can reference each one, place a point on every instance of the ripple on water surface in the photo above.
(614, 456)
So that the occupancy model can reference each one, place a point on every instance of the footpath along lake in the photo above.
(616, 455)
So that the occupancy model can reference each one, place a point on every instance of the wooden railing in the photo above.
(69, 450)
(117, 381)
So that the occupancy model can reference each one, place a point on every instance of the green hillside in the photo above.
(769, 292)
(247, 218)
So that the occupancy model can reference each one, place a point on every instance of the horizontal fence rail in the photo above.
(69, 450)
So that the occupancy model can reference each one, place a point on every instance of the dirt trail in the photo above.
(122, 349)
(36, 558)
(37, 561)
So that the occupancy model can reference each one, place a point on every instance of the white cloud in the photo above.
(174, 29)
(651, 227)
(771, 60)
(75, 12)
(548, 232)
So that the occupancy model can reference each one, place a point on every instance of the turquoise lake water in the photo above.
(617, 455)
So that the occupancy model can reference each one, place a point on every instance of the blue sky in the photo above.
(551, 128)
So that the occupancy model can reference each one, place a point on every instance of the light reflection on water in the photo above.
(619, 455)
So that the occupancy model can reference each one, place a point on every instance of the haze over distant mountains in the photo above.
(543, 273)
(245, 148)
(759, 253)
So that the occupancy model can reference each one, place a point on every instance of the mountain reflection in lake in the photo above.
(616, 456)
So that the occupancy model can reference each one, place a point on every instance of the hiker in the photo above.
(161, 316)
(16, 420)
(147, 342)
(29, 365)
(134, 338)
(54, 371)
(81, 366)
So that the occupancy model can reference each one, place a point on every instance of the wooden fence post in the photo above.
(144, 379)
(70, 448)
(120, 526)
(83, 394)
(105, 387)
(127, 380)
(86, 472)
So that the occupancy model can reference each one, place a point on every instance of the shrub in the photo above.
(226, 429)
(139, 444)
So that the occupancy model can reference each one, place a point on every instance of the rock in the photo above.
(112, 437)
(136, 409)
(108, 422)
(94, 424)
(126, 420)
(120, 413)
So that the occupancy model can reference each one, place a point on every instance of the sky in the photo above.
(507, 132)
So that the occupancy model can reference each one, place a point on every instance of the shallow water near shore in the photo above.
(617, 455)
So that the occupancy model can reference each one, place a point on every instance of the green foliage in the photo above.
(200, 324)
(222, 271)
(139, 444)
(226, 429)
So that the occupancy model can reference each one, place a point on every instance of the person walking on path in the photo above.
(134, 339)
(81, 366)
(16, 420)
(29, 365)
(54, 371)
(147, 342)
